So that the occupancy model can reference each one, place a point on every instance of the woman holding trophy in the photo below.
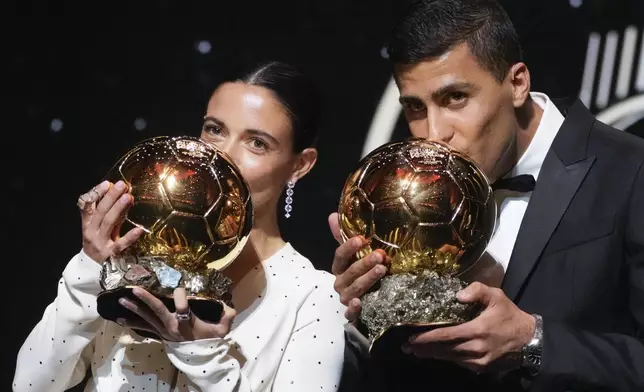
(286, 331)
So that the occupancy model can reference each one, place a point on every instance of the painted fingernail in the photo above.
(122, 301)
(120, 185)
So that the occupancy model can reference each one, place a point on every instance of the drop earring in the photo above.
(289, 199)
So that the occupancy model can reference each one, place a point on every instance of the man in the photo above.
(564, 273)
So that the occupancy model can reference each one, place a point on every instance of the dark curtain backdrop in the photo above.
(84, 81)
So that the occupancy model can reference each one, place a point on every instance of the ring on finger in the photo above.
(183, 316)
(93, 192)
(88, 197)
(84, 204)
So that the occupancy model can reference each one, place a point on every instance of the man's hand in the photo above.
(353, 279)
(492, 341)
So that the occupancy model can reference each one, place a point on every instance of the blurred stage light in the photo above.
(204, 47)
(56, 125)
(140, 124)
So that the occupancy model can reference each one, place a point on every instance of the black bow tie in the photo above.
(523, 183)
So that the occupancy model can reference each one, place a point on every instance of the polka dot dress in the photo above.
(288, 336)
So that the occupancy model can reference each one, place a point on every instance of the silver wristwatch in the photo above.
(531, 352)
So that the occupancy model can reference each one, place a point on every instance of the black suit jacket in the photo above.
(578, 261)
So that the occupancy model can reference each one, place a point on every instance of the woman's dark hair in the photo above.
(297, 94)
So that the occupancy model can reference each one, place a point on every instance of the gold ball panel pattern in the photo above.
(189, 198)
(426, 205)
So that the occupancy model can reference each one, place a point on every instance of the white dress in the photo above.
(289, 338)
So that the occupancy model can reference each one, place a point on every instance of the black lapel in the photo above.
(563, 170)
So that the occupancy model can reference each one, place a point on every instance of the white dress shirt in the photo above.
(290, 337)
(512, 205)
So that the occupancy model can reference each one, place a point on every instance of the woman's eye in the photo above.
(212, 129)
(259, 144)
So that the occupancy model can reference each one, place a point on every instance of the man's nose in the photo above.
(437, 130)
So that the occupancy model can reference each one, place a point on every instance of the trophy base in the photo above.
(109, 308)
(394, 337)
(406, 304)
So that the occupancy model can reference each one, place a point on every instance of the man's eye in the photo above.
(457, 97)
(414, 106)
(454, 99)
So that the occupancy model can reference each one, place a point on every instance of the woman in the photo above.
(286, 332)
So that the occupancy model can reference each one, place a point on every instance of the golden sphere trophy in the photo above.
(432, 211)
(196, 213)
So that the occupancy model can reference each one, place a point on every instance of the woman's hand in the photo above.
(103, 210)
(180, 326)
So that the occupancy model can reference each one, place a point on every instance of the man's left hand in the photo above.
(491, 342)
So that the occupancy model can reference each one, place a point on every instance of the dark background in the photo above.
(98, 67)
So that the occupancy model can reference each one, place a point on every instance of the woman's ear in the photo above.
(304, 163)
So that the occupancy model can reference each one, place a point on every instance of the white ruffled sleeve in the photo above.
(311, 361)
(208, 365)
(58, 350)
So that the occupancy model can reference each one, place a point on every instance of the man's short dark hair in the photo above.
(430, 28)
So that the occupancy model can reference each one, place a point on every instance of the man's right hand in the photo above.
(101, 222)
(353, 279)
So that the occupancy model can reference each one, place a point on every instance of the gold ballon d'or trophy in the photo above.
(432, 211)
(196, 213)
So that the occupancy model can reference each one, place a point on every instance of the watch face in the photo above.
(534, 359)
